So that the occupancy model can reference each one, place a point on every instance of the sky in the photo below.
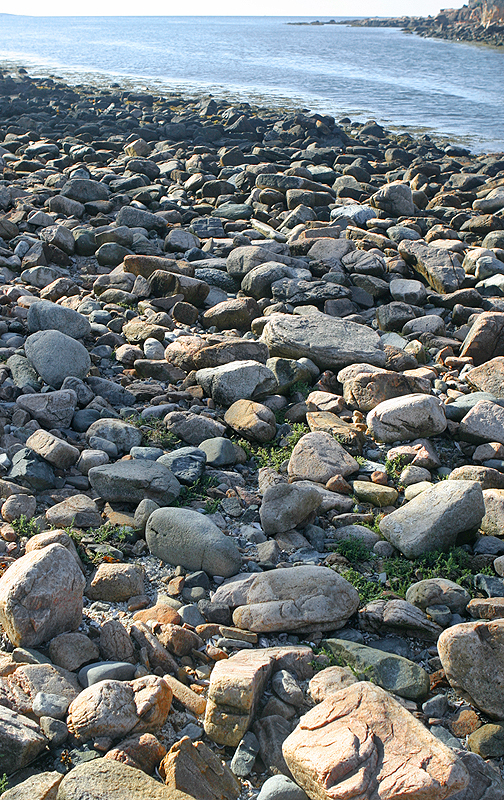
(319, 8)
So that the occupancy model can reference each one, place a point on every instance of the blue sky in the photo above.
(320, 8)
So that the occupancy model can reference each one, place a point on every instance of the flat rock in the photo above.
(488, 377)
(484, 422)
(133, 481)
(44, 315)
(392, 672)
(105, 778)
(331, 343)
(238, 380)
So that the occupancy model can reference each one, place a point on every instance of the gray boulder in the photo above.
(434, 518)
(239, 380)
(44, 316)
(331, 343)
(133, 481)
(120, 433)
(412, 416)
(186, 538)
(54, 356)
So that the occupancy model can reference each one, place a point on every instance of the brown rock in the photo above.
(116, 583)
(178, 640)
(329, 681)
(367, 390)
(117, 708)
(21, 740)
(43, 786)
(236, 313)
(485, 340)
(142, 752)
(41, 596)
(251, 420)
(236, 686)
(486, 607)
(194, 702)
(193, 768)
(161, 612)
(115, 642)
(464, 722)
(361, 743)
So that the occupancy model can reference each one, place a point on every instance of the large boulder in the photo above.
(331, 343)
(472, 655)
(361, 743)
(301, 600)
(133, 481)
(435, 518)
(286, 505)
(405, 418)
(41, 596)
(44, 316)
(318, 457)
(438, 266)
(186, 538)
(55, 356)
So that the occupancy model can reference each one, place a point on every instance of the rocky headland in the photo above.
(251, 454)
(479, 21)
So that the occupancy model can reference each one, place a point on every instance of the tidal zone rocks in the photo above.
(251, 453)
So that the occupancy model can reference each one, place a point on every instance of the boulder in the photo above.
(116, 708)
(366, 391)
(472, 655)
(286, 505)
(435, 518)
(404, 418)
(439, 267)
(251, 420)
(21, 740)
(318, 457)
(106, 778)
(331, 343)
(196, 770)
(55, 356)
(362, 743)
(133, 481)
(41, 596)
(239, 380)
(304, 599)
(183, 537)
(51, 409)
(44, 316)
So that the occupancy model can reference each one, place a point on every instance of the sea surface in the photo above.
(449, 89)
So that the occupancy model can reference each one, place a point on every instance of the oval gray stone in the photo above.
(55, 356)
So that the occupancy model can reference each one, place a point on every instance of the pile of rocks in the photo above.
(241, 351)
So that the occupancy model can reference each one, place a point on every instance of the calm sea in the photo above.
(451, 89)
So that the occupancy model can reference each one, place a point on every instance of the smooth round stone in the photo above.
(46, 704)
(106, 671)
(415, 489)
(97, 443)
(219, 451)
(280, 787)
(153, 349)
(147, 453)
(439, 614)
(83, 418)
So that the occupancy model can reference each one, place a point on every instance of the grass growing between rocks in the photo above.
(456, 566)
(155, 433)
(4, 783)
(25, 527)
(198, 491)
(274, 454)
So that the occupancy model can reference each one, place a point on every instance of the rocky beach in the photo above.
(251, 453)
(480, 21)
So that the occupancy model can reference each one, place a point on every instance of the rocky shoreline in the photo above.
(251, 453)
(471, 23)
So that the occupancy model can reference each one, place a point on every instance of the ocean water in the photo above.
(453, 90)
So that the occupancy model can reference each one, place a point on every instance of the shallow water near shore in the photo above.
(424, 85)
